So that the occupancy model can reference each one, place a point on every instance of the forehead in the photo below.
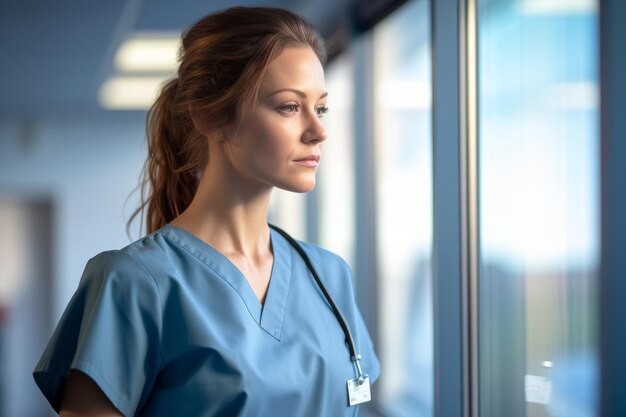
(295, 67)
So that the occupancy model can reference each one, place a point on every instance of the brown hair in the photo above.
(223, 58)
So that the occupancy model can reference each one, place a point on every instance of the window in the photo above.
(336, 182)
(403, 164)
(538, 207)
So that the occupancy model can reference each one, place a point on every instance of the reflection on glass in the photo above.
(403, 159)
(335, 175)
(539, 198)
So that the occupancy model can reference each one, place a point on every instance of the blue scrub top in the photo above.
(168, 326)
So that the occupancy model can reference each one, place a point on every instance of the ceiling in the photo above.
(56, 54)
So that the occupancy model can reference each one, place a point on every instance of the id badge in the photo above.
(358, 394)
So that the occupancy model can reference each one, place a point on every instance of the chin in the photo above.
(299, 187)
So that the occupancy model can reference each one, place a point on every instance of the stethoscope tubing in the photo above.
(354, 356)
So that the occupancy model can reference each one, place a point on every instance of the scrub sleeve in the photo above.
(110, 331)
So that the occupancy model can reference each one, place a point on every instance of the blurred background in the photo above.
(76, 78)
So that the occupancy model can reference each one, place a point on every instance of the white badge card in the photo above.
(358, 394)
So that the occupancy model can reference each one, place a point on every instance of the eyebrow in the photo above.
(298, 92)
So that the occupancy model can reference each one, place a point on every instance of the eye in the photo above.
(321, 111)
(288, 108)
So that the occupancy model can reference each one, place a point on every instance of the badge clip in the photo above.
(359, 388)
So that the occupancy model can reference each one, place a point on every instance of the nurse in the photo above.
(214, 313)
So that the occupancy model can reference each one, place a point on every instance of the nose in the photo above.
(314, 131)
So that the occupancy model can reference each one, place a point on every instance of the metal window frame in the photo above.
(365, 193)
(613, 207)
(454, 207)
(470, 207)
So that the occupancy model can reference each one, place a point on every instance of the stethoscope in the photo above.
(354, 356)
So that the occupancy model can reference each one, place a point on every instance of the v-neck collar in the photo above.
(269, 315)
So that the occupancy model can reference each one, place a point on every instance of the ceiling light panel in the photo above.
(148, 53)
(131, 92)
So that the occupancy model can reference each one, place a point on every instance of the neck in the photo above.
(229, 215)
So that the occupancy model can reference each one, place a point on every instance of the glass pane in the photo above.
(539, 207)
(335, 176)
(288, 211)
(404, 218)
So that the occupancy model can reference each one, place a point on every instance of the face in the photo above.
(278, 142)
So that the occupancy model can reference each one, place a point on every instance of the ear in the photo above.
(199, 122)
(207, 129)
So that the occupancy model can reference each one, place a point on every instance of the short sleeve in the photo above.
(111, 331)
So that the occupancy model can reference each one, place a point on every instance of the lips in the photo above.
(310, 161)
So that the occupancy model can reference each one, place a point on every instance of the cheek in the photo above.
(277, 137)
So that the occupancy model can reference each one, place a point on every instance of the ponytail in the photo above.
(170, 173)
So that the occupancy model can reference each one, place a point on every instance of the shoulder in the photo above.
(332, 268)
(149, 250)
(323, 255)
(137, 264)
(118, 275)
(154, 252)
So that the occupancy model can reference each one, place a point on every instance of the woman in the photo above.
(214, 313)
